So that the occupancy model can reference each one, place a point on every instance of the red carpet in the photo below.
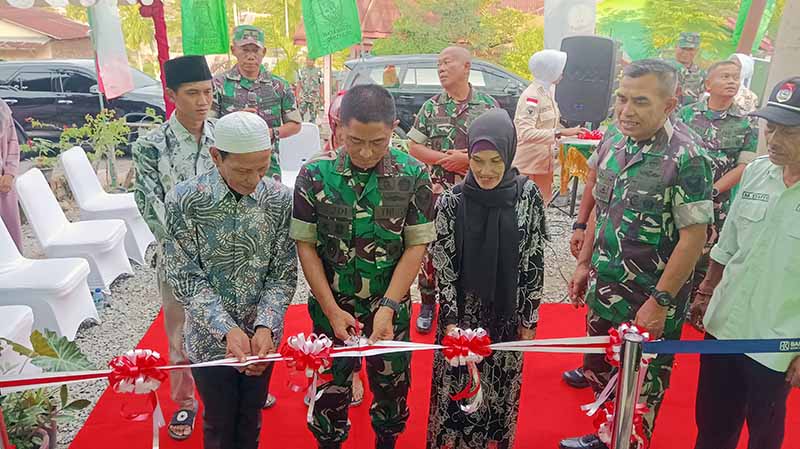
(549, 410)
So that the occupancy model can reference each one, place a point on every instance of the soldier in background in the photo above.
(250, 87)
(439, 139)
(362, 220)
(730, 138)
(653, 207)
(309, 80)
(690, 76)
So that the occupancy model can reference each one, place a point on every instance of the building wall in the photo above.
(72, 49)
(11, 31)
(42, 52)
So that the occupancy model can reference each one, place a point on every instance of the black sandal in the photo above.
(183, 417)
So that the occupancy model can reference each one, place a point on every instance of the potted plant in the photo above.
(32, 416)
(45, 154)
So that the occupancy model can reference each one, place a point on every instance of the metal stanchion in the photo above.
(627, 396)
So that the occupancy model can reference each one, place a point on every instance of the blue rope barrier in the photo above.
(722, 346)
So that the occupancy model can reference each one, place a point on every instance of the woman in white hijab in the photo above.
(537, 120)
(745, 99)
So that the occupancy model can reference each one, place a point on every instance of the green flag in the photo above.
(204, 26)
(331, 25)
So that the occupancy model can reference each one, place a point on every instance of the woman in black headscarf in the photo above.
(489, 267)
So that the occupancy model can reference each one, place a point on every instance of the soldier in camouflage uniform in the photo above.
(730, 138)
(249, 86)
(172, 153)
(653, 195)
(439, 139)
(362, 220)
(310, 90)
(690, 76)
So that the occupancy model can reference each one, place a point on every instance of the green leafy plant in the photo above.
(45, 152)
(32, 414)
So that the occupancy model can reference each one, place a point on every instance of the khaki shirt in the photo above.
(536, 120)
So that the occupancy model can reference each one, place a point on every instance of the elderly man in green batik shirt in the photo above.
(653, 207)
(362, 220)
(233, 267)
(690, 76)
(174, 152)
(250, 87)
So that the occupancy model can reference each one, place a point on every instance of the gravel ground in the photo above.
(135, 303)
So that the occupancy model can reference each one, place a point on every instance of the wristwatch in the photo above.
(390, 303)
(275, 135)
(558, 134)
(576, 226)
(714, 193)
(663, 299)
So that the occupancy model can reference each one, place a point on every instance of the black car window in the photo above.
(76, 82)
(7, 73)
(426, 77)
(386, 76)
(34, 82)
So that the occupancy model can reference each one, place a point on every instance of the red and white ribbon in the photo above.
(311, 356)
(604, 424)
(467, 347)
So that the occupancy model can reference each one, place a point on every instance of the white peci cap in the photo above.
(242, 132)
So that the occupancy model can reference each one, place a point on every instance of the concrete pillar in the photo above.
(784, 63)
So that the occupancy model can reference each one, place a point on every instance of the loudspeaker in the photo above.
(590, 77)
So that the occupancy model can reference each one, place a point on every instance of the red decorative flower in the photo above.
(137, 372)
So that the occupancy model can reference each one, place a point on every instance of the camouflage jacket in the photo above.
(691, 81)
(641, 205)
(730, 138)
(231, 263)
(162, 158)
(361, 237)
(442, 124)
(310, 80)
(271, 95)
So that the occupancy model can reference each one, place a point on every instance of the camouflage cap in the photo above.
(689, 40)
(248, 34)
(783, 106)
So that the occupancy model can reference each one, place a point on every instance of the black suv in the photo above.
(62, 92)
(413, 79)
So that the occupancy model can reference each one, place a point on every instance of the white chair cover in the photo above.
(100, 242)
(54, 289)
(297, 150)
(96, 204)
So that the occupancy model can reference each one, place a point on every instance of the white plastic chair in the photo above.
(100, 242)
(297, 150)
(54, 289)
(96, 204)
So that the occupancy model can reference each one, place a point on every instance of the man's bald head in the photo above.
(454, 66)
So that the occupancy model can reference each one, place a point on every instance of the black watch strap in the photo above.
(577, 226)
(663, 299)
(390, 303)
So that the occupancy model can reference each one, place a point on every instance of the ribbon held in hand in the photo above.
(311, 356)
(467, 347)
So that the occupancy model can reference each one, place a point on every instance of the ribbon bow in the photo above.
(310, 355)
(614, 347)
(140, 372)
(137, 372)
(604, 423)
(466, 345)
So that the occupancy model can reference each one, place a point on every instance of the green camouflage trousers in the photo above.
(312, 107)
(598, 371)
(389, 377)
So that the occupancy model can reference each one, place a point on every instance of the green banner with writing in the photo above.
(331, 25)
(204, 27)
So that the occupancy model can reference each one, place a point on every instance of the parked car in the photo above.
(63, 92)
(413, 79)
